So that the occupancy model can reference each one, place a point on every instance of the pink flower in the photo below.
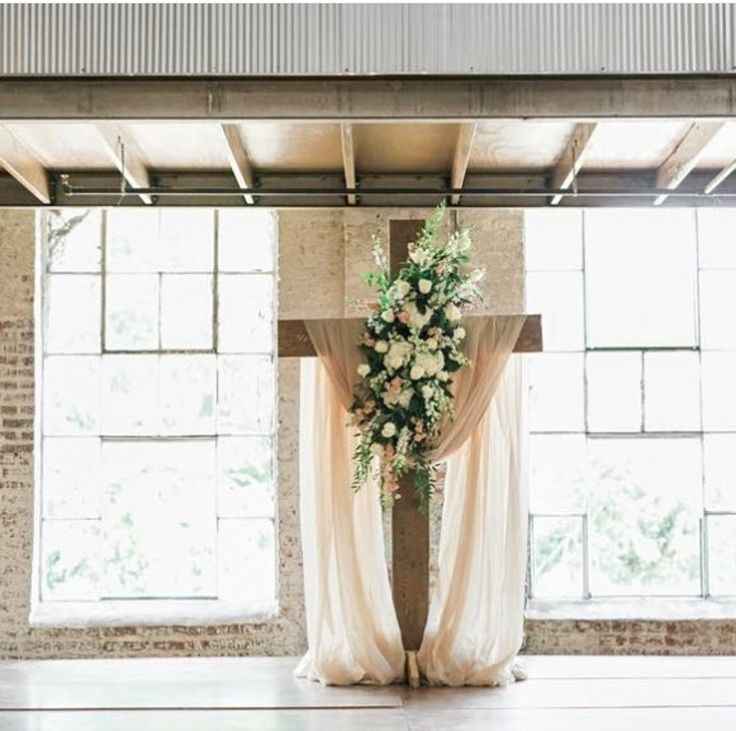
(404, 317)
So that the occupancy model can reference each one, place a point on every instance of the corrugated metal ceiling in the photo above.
(218, 39)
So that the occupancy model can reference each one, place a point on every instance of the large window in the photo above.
(156, 401)
(633, 404)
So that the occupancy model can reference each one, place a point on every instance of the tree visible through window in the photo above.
(633, 404)
(157, 401)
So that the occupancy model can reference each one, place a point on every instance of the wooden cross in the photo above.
(409, 527)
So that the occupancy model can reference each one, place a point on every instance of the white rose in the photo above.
(363, 370)
(405, 398)
(459, 334)
(425, 286)
(381, 346)
(427, 391)
(387, 315)
(443, 376)
(389, 429)
(403, 288)
(397, 353)
(416, 372)
(432, 343)
(377, 449)
(417, 320)
(452, 313)
(417, 256)
(430, 363)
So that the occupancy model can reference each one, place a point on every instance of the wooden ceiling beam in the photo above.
(238, 159)
(572, 159)
(348, 159)
(463, 148)
(20, 161)
(685, 156)
(125, 155)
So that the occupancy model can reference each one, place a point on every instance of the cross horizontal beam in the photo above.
(356, 99)
(294, 341)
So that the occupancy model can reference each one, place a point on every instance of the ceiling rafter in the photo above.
(348, 159)
(685, 156)
(572, 159)
(125, 155)
(238, 159)
(24, 166)
(461, 158)
(722, 175)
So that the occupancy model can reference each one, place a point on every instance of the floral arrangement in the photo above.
(412, 346)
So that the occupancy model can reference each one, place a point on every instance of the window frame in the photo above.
(188, 611)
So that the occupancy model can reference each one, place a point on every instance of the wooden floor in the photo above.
(563, 694)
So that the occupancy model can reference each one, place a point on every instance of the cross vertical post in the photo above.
(409, 526)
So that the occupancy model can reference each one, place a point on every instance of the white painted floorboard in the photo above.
(205, 694)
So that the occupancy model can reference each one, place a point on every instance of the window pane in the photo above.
(719, 391)
(246, 394)
(614, 392)
(159, 518)
(129, 395)
(73, 313)
(633, 300)
(248, 560)
(131, 311)
(188, 394)
(247, 240)
(722, 554)
(558, 557)
(132, 241)
(246, 313)
(558, 296)
(245, 477)
(70, 560)
(187, 237)
(74, 240)
(717, 307)
(715, 238)
(720, 472)
(556, 385)
(557, 473)
(186, 311)
(71, 395)
(553, 239)
(71, 478)
(672, 391)
(644, 506)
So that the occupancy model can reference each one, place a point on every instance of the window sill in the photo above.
(658, 608)
(116, 613)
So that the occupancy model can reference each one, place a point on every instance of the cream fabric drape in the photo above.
(352, 630)
(474, 626)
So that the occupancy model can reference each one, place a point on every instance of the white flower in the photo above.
(452, 312)
(389, 429)
(443, 376)
(430, 363)
(459, 334)
(397, 354)
(432, 343)
(416, 372)
(381, 346)
(425, 286)
(417, 320)
(418, 257)
(427, 391)
(405, 398)
(403, 288)
(377, 449)
(387, 315)
(363, 370)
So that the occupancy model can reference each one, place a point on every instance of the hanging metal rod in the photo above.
(82, 191)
